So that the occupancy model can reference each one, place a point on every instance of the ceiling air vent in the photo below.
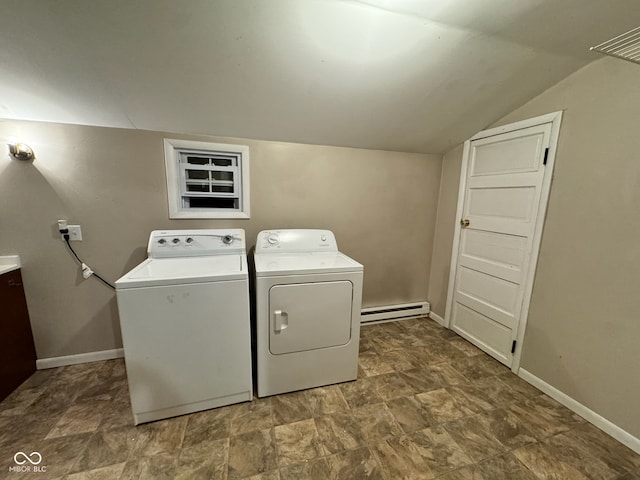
(625, 46)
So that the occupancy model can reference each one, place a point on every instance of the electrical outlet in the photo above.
(75, 233)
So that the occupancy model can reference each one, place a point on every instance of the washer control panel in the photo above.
(191, 243)
(292, 241)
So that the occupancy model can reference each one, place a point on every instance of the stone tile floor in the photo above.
(427, 404)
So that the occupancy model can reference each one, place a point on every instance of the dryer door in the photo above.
(308, 316)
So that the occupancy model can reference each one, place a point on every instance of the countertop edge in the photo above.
(9, 263)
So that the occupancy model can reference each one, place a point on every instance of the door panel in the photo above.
(479, 329)
(308, 316)
(507, 202)
(510, 154)
(508, 253)
(495, 292)
(486, 309)
(502, 180)
(503, 251)
(501, 203)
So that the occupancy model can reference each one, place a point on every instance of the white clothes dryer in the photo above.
(184, 314)
(308, 301)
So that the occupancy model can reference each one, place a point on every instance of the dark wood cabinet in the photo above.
(17, 352)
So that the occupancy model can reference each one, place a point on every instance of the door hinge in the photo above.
(513, 347)
(546, 155)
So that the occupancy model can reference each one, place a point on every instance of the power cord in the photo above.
(86, 271)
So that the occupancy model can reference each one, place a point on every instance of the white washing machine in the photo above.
(184, 314)
(308, 300)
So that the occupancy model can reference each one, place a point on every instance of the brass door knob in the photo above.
(464, 223)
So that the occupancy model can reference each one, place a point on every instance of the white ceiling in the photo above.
(407, 75)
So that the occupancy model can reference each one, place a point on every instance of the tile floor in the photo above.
(427, 404)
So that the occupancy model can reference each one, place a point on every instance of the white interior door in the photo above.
(504, 188)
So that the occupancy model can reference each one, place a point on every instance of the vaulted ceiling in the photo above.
(407, 75)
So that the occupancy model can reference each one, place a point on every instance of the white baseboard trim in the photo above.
(53, 362)
(589, 415)
(437, 318)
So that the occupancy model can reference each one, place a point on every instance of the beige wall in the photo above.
(381, 206)
(443, 238)
(583, 329)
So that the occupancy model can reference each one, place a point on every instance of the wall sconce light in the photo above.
(21, 151)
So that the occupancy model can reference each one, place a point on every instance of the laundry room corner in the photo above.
(112, 183)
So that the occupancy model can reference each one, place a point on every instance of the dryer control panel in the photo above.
(195, 243)
(294, 241)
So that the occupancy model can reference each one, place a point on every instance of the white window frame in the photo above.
(176, 180)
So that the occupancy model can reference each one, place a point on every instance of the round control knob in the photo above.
(189, 240)
(176, 241)
(323, 238)
(227, 239)
(162, 241)
(273, 238)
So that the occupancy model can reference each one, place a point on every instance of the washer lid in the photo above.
(302, 263)
(177, 271)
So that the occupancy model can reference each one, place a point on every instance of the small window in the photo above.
(207, 180)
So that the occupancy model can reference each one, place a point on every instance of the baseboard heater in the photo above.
(394, 312)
